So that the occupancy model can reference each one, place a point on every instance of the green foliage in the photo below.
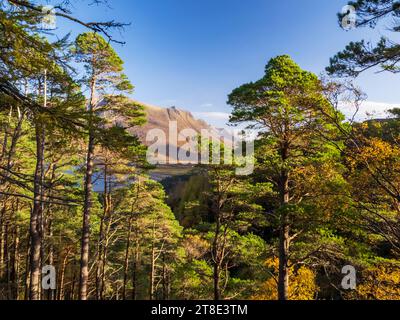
(212, 234)
(360, 56)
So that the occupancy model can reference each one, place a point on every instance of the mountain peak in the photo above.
(161, 118)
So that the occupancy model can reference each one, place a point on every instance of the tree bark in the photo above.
(107, 223)
(284, 237)
(15, 265)
(126, 261)
(88, 187)
(35, 232)
(2, 259)
(283, 262)
(51, 294)
(60, 293)
(135, 271)
(100, 247)
(27, 268)
(7, 259)
(73, 283)
(84, 269)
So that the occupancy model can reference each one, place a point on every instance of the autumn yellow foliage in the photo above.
(376, 152)
(302, 284)
(380, 283)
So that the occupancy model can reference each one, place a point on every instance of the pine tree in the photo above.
(286, 103)
(103, 77)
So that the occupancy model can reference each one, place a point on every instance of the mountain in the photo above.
(161, 118)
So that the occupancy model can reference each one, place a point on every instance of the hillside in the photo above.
(160, 118)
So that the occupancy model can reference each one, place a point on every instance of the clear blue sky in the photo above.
(192, 53)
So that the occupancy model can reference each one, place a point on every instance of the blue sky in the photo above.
(192, 53)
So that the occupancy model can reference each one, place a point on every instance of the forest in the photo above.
(77, 197)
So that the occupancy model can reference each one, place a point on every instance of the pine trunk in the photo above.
(135, 271)
(88, 188)
(84, 269)
(126, 261)
(284, 241)
(35, 232)
(15, 265)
